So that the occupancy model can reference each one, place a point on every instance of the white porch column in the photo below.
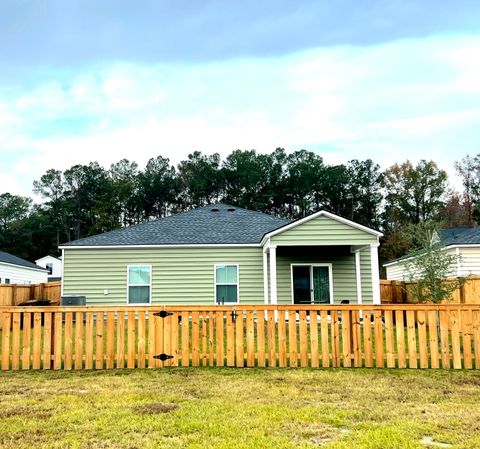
(273, 274)
(265, 276)
(358, 275)
(375, 273)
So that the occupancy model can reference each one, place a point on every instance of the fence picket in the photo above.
(15, 341)
(346, 338)
(68, 350)
(324, 338)
(445, 346)
(78, 340)
(89, 340)
(422, 338)
(6, 323)
(455, 331)
(26, 340)
(282, 341)
(411, 339)
(239, 341)
(250, 339)
(110, 362)
(99, 324)
(141, 339)
(292, 338)
(57, 341)
(367, 338)
(185, 329)
(195, 339)
(314, 362)
(378, 333)
(476, 337)
(336, 339)
(302, 331)
(467, 333)
(37, 339)
(219, 324)
(433, 338)
(389, 337)
(47, 341)
(260, 338)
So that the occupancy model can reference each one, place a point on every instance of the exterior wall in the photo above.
(343, 274)
(323, 230)
(21, 275)
(470, 261)
(469, 264)
(57, 265)
(179, 275)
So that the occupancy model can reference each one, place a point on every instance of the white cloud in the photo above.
(405, 99)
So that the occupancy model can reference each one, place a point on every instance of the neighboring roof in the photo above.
(450, 237)
(460, 236)
(14, 260)
(214, 224)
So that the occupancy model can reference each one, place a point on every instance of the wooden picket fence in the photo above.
(13, 294)
(400, 336)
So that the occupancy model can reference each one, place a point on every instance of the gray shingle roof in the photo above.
(14, 260)
(214, 224)
(460, 236)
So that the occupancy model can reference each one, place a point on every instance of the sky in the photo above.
(96, 80)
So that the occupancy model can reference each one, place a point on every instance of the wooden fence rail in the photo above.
(401, 336)
(13, 294)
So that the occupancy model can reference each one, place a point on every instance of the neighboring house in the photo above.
(464, 243)
(14, 270)
(224, 254)
(53, 265)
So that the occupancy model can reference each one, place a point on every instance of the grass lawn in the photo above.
(240, 408)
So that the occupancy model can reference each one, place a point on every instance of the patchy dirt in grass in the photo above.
(154, 408)
(27, 412)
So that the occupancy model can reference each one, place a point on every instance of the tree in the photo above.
(13, 208)
(158, 188)
(430, 265)
(365, 192)
(469, 170)
(454, 213)
(413, 194)
(200, 180)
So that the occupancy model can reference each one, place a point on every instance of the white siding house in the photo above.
(463, 243)
(15, 270)
(53, 265)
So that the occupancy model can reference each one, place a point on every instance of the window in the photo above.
(226, 284)
(49, 267)
(139, 284)
(7, 281)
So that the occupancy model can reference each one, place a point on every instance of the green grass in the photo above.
(239, 408)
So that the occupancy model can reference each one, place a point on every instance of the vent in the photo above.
(231, 209)
(215, 209)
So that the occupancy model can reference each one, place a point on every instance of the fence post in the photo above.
(14, 295)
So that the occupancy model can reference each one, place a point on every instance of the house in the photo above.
(463, 243)
(14, 270)
(224, 254)
(53, 265)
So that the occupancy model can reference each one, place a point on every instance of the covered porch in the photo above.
(321, 274)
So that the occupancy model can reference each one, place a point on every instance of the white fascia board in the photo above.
(212, 245)
(322, 213)
(23, 267)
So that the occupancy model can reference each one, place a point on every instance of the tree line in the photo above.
(88, 199)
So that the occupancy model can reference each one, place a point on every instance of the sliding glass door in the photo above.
(311, 284)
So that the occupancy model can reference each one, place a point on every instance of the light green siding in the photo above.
(179, 275)
(323, 230)
(343, 274)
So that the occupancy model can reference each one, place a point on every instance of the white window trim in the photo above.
(330, 276)
(139, 285)
(221, 264)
